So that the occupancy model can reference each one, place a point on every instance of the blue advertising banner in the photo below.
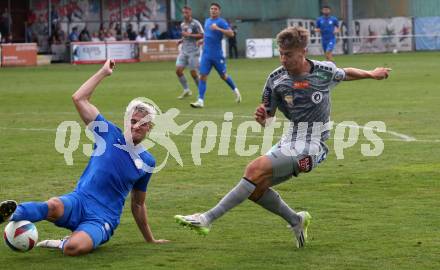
(429, 27)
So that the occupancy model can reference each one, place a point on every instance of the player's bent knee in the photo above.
(78, 244)
(258, 170)
(252, 172)
(71, 250)
(55, 209)
(76, 250)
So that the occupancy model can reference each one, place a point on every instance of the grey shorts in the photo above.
(189, 60)
(291, 159)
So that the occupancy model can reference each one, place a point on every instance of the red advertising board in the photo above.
(19, 54)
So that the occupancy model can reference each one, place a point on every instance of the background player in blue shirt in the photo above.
(328, 26)
(215, 28)
(92, 211)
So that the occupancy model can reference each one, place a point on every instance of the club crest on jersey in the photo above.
(289, 100)
(301, 85)
(317, 97)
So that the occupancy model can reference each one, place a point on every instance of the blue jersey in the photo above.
(108, 178)
(213, 39)
(327, 26)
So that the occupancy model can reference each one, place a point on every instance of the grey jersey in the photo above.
(189, 44)
(304, 100)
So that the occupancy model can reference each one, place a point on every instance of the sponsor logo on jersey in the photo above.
(322, 75)
(301, 85)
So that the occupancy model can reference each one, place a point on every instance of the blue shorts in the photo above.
(77, 218)
(328, 44)
(207, 62)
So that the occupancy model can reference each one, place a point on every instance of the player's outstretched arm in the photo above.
(379, 73)
(139, 211)
(81, 98)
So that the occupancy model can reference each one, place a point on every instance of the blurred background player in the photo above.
(300, 89)
(232, 43)
(328, 26)
(189, 54)
(215, 28)
(92, 211)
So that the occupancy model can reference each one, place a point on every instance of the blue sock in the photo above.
(231, 83)
(31, 211)
(202, 89)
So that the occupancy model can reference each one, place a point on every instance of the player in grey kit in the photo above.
(189, 54)
(300, 89)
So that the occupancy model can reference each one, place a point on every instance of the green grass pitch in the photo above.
(368, 212)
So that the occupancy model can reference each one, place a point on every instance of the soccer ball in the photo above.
(21, 235)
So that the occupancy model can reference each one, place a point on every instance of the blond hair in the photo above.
(294, 37)
(142, 107)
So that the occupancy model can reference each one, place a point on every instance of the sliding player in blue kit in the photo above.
(92, 211)
(215, 28)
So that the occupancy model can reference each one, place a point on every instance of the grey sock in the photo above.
(272, 201)
(237, 195)
(183, 82)
(196, 81)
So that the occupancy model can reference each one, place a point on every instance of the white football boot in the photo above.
(197, 104)
(185, 93)
(195, 221)
(237, 95)
(300, 230)
(55, 244)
